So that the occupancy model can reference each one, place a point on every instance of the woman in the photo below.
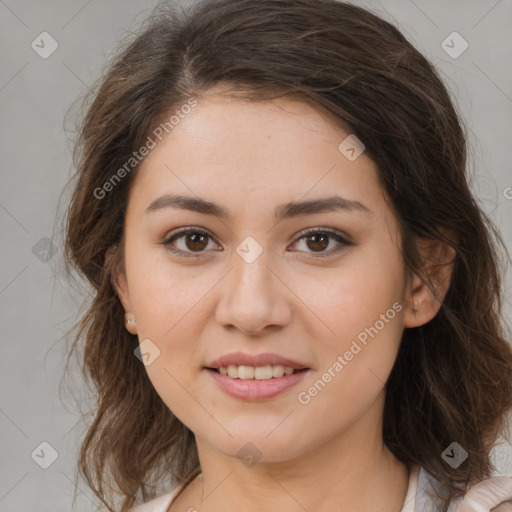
(296, 296)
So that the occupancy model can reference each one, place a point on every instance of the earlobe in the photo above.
(428, 288)
(131, 324)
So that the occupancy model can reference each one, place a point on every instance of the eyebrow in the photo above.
(284, 211)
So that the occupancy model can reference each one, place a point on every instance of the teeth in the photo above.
(246, 372)
(260, 372)
(256, 372)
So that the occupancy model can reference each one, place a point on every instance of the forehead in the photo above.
(255, 153)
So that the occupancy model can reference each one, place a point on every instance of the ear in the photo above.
(120, 285)
(422, 304)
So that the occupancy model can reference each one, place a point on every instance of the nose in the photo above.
(253, 298)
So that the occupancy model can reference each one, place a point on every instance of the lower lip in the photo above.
(252, 389)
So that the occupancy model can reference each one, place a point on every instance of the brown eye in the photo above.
(196, 241)
(188, 241)
(317, 240)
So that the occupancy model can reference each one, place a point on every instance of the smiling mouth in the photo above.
(267, 372)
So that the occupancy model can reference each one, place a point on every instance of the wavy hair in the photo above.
(452, 379)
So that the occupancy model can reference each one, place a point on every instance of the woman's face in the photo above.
(254, 281)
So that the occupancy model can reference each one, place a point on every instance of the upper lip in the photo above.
(241, 359)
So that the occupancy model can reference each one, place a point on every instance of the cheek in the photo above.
(354, 296)
(357, 340)
(354, 368)
(164, 296)
(167, 305)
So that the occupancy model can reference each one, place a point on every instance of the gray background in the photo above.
(37, 305)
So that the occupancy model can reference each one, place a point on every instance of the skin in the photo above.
(250, 157)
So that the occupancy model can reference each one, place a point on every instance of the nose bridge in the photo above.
(251, 276)
(250, 299)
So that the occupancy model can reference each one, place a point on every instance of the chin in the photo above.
(258, 447)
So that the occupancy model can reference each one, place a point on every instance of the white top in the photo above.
(482, 497)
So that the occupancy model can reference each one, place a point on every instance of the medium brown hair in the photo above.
(452, 379)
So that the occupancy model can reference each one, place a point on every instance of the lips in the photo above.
(266, 359)
(273, 375)
(252, 390)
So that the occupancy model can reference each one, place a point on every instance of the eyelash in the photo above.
(344, 243)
